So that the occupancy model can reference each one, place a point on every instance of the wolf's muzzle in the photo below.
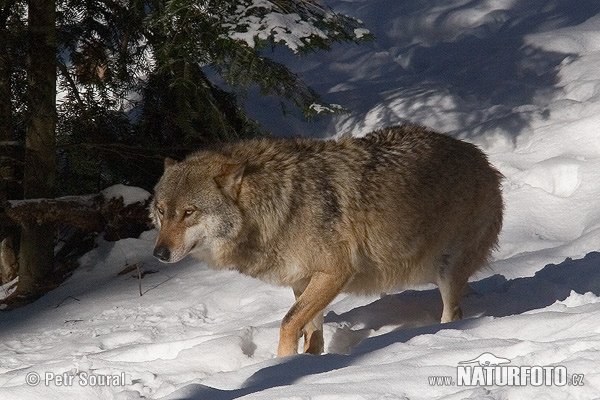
(162, 252)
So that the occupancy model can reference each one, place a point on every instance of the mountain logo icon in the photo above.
(486, 360)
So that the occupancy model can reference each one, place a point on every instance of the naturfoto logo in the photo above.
(490, 370)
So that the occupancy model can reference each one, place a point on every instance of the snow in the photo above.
(287, 29)
(129, 194)
(521, 80)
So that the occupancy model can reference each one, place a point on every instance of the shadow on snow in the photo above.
(414, 312)
(464, 67)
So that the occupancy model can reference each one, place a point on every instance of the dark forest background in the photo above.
(98, 92)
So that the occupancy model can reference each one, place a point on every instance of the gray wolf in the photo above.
(399, 207)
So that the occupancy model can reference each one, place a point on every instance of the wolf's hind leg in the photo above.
(453, 277)
(451, 293)
(451, 282)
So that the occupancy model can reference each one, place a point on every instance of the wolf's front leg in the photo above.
(320, 291)
(313, 336)
(313, 331)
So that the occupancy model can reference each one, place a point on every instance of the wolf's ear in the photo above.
(230, 179)
(169, 162)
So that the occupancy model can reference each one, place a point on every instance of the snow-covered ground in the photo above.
(519, 78)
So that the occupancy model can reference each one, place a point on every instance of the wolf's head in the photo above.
(195, 206)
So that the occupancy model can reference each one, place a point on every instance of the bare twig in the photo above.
(137, 265)
(65, 299)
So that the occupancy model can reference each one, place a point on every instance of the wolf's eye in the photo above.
(187, 213)
(160, 210)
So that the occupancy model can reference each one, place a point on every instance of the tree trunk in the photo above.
(6, 132)
(6, 129)
(37, 241)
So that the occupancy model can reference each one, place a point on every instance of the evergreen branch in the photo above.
(5, 11)
(67, 75)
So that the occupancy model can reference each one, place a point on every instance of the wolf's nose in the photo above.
(162, 252)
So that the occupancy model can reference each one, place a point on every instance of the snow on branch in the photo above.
(298, 25)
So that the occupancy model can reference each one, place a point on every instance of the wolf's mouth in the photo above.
(197, 244)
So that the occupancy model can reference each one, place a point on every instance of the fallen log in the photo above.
(79, 211)
(114, 211)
